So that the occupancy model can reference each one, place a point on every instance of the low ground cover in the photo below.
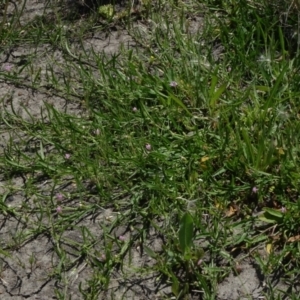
(149, 150)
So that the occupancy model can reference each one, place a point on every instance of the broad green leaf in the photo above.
(186, 232)
(150, 252)
(273, 212)
(271, 216)
(175, 285)
(217, 95)
(267, 220)
(262, 88)
(213, 84)
(258, 239)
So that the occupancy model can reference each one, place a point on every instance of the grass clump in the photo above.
(180, 159)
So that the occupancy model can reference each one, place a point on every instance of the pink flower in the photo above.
(148, 147)
(59, 209)
(122, 238)
(254, 190)
(173, 84)
(67, 156)
(199, 263)
(7, 67)
(103, 257)
(59, 197)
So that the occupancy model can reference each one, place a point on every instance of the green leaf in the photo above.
(267, 220)
(217, 95)
(178, 102)
(42, 151)
(262, 88)
(271, 216)
(258, 239)
(275, 89)
(175, 285)
(106, 11)
(273, 212)
(186, 232)
(214, 81)
(5, 253)
(150, 252)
